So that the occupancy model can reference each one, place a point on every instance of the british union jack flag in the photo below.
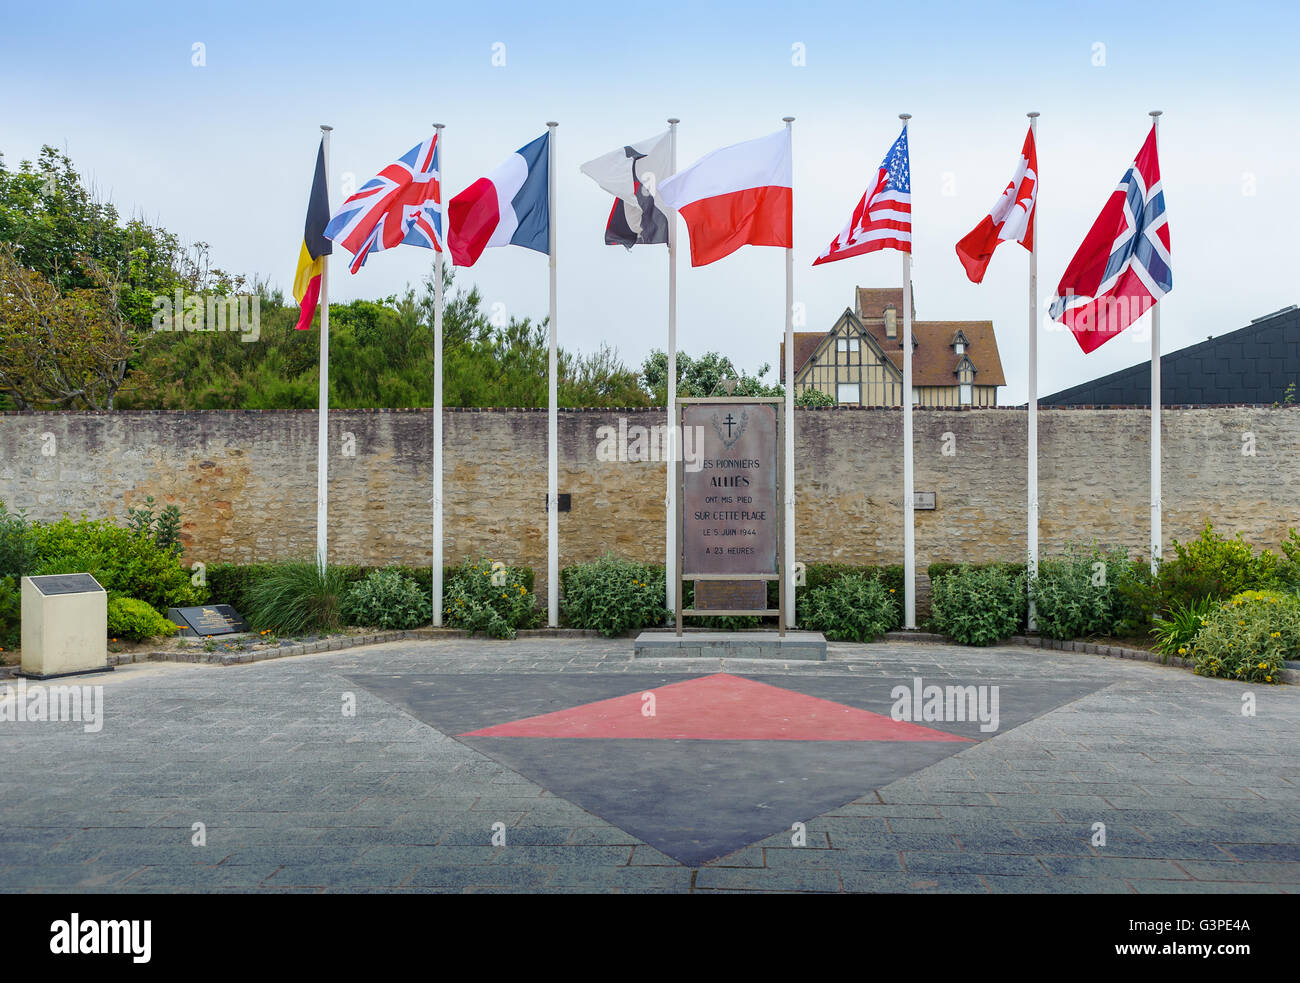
(400, 204)
(1123, 267)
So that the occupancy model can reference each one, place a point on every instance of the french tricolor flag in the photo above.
(509, 207)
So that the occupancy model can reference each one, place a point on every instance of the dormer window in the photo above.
(960, 342)
(961, 347)
(891, 322)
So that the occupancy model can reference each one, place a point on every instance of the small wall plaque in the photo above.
(924, 500)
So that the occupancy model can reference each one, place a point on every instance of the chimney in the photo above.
(891, 322)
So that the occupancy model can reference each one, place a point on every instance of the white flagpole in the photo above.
(670, 511)
(1156, 537)
(1033, 392)
(787, 548)
(436, 594)
(323, 406)
(552, 424)
(909, 525)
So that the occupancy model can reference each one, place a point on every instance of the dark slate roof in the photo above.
(1253, 364)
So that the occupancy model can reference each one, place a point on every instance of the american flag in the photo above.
(883, 218)
(401, 204)
(1123, 266)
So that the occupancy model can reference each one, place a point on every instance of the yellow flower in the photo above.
(1263, 665)
(1268, 679)
(1182, 651)
(892, 591)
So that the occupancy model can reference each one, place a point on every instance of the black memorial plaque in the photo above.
(211, 619)
(66, 583)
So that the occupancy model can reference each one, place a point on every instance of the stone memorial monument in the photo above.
(729, 532)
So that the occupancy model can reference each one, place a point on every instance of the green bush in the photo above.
(473, 603)
(1136, 598)
(387, 599)
(1249, 637)
(124, 563)
(135, 620)
(937, 571)
(612, 595)
(1212, 566)
(978, 605)
(163, 528)
(296, 598)
(17, 546)
(1078, 596)
(852, 608)
(11, 609)
(823, 575)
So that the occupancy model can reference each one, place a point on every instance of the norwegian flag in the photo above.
(883, 218)
(401, 204)
(1122, 268)
(1009, 220)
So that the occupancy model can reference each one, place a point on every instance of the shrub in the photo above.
(852, 608)
(1136, 599)
(135, 620)
(820, 575)
(124, 563)
(1174, 634)
(979, 605)
(387, 599)
(936, 571)
(163, 528)
(472, 602)
(1212, 566)
(612, 595)
(1249, 637)
(296, 598)
(1077, 596)
(230, 583)
(17, 547)
(11, 608)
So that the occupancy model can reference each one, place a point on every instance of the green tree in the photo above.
(702, 376)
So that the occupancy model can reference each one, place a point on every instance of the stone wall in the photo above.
(245, 481)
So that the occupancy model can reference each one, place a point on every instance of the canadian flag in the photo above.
(1010, 220)
(739, 195)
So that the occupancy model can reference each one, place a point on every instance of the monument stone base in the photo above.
(802, 645)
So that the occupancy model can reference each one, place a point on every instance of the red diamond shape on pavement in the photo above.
(720, 707)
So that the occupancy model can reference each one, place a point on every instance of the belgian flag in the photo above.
(306, 282)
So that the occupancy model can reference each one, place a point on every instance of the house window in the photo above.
(966, 394)
(916, 397)
(961, 348)
(847, 344)
(848, 392)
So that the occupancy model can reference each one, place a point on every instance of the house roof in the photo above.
(934, 362)
(1252, 365)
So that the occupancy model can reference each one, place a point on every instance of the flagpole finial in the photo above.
(1033, 115)
(673, 120)
(787, 119)
(439, 126)
(551, 122)
(1156, 112)
(325, 127)
(904, 116)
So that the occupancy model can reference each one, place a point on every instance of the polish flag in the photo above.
(1010, 220)
(737, 196)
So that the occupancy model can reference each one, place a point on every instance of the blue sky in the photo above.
(223, 152)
